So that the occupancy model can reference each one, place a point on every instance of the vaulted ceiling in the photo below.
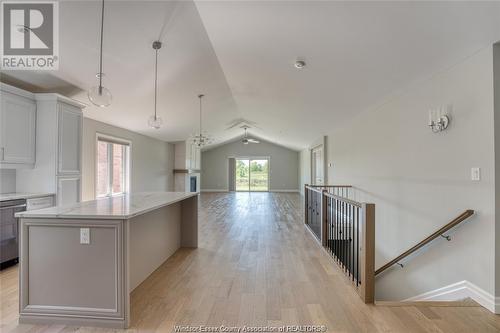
(240, 54)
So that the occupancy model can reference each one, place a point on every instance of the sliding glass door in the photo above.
(252, 175)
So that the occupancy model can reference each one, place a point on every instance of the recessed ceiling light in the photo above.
(299, 64)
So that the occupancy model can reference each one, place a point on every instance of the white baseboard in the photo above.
(277, 191)
(458, 291)
(208, 190)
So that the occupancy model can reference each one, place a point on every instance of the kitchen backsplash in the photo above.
(7, 180)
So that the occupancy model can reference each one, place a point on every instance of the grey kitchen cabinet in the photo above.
(59, 130)
(70, 121)
(18, 129)
(68, 190)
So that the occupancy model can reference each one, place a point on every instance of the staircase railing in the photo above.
(438, 233)
(346, 229)
(341, 190)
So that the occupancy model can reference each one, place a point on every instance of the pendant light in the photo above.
(200, 139)
(100, 96)
(155, 121)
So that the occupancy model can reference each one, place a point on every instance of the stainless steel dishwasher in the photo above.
(9, 232)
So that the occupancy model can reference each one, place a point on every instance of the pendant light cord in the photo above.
(100, 55)
(156, 77)
(201, 96)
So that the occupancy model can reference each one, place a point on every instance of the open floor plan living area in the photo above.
(249, 166)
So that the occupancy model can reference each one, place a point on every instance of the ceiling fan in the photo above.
(246, 140)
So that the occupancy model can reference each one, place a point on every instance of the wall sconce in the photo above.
(438, 120)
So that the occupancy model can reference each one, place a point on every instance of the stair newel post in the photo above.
(367, 253)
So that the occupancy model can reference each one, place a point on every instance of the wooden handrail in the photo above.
(338, 197)
(465, 215)
(313, 189)
(329, 185)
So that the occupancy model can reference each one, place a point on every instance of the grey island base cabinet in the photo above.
(79, 263)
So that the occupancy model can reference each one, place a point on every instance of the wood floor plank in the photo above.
(258, 265)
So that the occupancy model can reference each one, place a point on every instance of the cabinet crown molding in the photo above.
(16, 91)
(59, 98)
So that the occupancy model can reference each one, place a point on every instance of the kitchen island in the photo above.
(79, 263)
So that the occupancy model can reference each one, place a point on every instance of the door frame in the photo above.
(314, 164)
(322, 141)
(268, 158)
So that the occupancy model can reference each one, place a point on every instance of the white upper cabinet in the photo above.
(192, 159)
(59, 128)
(18, 122)
(187, 156)
(196, 161)
(70, 121)
(194, 156)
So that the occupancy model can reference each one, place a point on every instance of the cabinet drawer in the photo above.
(39, 203)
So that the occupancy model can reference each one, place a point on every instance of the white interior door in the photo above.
(317, 166)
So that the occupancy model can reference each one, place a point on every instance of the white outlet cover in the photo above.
(475, 174)
(84, 235)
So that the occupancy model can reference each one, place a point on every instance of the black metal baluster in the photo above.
(344, 254)
(341, 240)
(357, 247)
(331, 225)
(352, 240)
(332, 202)
(345, 236)
(337, 231)
(328, 221)
(309, 207)
(348, 245)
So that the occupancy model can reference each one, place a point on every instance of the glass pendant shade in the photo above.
(155, 122)
(100, 96)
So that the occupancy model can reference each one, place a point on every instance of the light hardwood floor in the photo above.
(258, 265)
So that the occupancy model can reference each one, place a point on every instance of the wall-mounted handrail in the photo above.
(465, 215)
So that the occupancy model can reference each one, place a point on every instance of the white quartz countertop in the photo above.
(120, 207)
(21, 195)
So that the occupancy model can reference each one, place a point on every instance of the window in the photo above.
(112, 166)
(252, 174)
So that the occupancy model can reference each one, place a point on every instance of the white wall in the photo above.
(7, 180)
(496, 88)
(284, 165)
(304, 168)
(419, 181)
(152, 161)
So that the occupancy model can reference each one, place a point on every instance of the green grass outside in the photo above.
(259, 182)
